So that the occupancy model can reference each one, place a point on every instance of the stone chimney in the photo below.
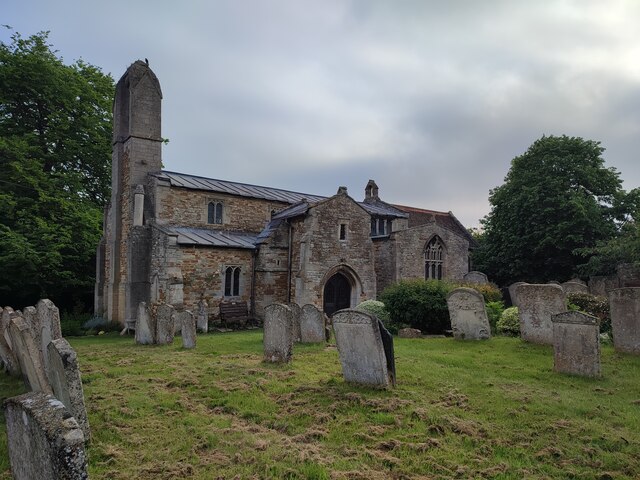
(342, 191)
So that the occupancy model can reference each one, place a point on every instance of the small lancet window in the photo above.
(214, 213)
(433, 259)
(343, 231)
(232, 282)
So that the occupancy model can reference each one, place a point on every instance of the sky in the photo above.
(431, 99)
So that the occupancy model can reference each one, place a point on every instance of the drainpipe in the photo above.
(289, 269)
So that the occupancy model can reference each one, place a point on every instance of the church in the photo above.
(179, 238)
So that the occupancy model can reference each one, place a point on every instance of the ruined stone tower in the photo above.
(137, 152)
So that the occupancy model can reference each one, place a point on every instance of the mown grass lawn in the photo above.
(491, 409)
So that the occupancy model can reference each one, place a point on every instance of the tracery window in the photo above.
(434, 259)
(232, 282)
(214, 212)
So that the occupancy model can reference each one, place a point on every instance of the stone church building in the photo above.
(181, 238)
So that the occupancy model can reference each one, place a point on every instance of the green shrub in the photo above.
(419, 304)
(71, 323)
(377, 308)
(596, 306)
(489, 291)
(509, 323)
(494, 311)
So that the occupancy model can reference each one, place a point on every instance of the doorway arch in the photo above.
(337, 294)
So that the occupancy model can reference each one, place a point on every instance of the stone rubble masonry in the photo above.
(576, 344)
(145, 326)
(475, 277)
(409, 333)
(28, 356)
(361, 349)
(278, 338)
(537, 303)
(624, 305)
(67, 383)
(44, 441)
(574, 287)
(49, 328)
(468, 314)
(165, 323)
(202, 322)
(311, 325)
(296, 313)
(188, 326)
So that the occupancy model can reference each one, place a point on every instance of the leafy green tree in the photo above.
(558, 198)
(55, 164)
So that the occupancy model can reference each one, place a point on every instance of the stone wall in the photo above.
(384, 253)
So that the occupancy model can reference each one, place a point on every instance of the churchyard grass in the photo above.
(486, 409)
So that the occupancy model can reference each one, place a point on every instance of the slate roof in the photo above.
(213, 238)
(421, 216)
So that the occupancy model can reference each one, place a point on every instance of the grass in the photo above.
(490, 409)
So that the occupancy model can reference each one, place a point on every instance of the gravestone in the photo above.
(48, 327)
(512, 293)
(574, 287)
(576, 344)
(296, 313)
(365, 348)
(577, 280)
(44, 441)
(312, 325)
(475, 277)
(278, 337)
(7, 357)
(145, 326)
(468, 315)
(67, 383)
(188, 326)
(537, 303)
(409, 333)
(624, 306)
(202, 323)
(600, 285)
(165, 323)
(28, 356)
(628, 275)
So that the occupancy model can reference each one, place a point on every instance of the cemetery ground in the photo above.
(485, 409)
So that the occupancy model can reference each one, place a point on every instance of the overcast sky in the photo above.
(431, 99)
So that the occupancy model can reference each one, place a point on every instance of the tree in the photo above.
(55, 159)
(557, 199)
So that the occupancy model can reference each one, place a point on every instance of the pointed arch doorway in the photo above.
(337, 294)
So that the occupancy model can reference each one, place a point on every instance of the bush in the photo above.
(377, 308)
(509, 323)
(419, 304)
(592, 305)
(494, 312)
(489, 291)
(71, 323)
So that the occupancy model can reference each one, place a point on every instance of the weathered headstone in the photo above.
(600, 285)
(165, 323)
(576, 344)
(475, 277)
(577, 280)
(512, 292)
(574, 287)
(409, 333)
(202, 323)
(536, 305)
(67, 383)
(278, 339)
(28, 356)
(312, 325)
(468, 314)
(145, 325)
(361, 340)
(8, 360)
(296, 313)
(628, 275)
(188, 326)
(43, 439)
(48, 327)
(5, 319)
(624, 305)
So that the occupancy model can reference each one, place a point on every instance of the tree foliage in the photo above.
(55, 159)
(557, 199)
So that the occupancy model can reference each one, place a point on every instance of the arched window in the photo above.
(232, 282)
(214, 213)
(433, 259)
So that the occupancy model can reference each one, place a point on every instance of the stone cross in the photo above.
(624, 305)
(312, 325)
(278, 338)
(468, 315)
(576, 344)
(537, 303)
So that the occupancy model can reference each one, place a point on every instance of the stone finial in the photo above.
(342, 190)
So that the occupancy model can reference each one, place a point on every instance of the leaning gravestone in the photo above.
(43, 439)
(48, 328)
(574, 287)
(8, 360)
(475, 277)
(312, 325)
(537, 303)
(624, 305)
(202, 323)
(576, 344)
(5, 319)
(28, 356)
(365, 348)
(188, 326)
(296, 313)
(468, 315)
(67, 383)
(512, 293)
(145, 325)
(278, 338)
(165, 323)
